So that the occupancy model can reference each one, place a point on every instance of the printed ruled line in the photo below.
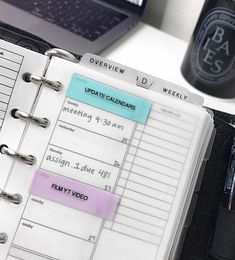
(4, 85)
(4, 111)
(16, 257)
(4, 94)
(54, 229)
(160, 129)
(13, 79)
(161, 164)
(34, 252)
(154, 171)
(145, 195)
(2, 117)
(141, 221)
(161, 182)
(4, 102)
(146, 204)
(169, 124)
(8, 68)
(1, 57)
(157, 137)
(137, 238)
(16, 54)
(167, 132)
(158, 154)
(4, 76)
(139, 229)
(149, 187)
(157, 145)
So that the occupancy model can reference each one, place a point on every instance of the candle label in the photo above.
(213, 59)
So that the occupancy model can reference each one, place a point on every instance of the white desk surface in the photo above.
(154, 52)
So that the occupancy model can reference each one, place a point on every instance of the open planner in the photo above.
(93, 167)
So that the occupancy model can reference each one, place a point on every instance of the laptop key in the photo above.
(90, 36)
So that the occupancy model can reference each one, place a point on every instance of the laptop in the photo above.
(78, 26)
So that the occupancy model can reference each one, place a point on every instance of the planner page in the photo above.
(115, 171)
(15, 93)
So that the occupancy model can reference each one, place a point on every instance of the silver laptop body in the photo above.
(65, 39)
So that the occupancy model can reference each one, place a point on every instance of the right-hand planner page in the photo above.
(150, 167)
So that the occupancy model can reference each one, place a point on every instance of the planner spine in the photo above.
(39, 121)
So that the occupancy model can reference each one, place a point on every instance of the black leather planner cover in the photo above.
(25, 39)
(197, 243)
(199, 234)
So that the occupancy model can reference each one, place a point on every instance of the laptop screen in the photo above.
(136, 6)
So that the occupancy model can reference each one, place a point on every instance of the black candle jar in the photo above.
(209, 62)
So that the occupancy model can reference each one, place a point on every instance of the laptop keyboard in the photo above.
(82, 17)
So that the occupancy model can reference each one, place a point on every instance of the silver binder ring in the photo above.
(13, 198)
(40, 121)
(61, 54)
(3, 238)
(28, 159)
(56, 85)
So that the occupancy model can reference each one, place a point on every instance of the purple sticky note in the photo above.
(74, 194)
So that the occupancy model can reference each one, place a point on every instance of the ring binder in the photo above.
(27, 159)
(3, 238)
(40, 121)
(13, 198)
(56, 85)
(61, 54)
(165, 174)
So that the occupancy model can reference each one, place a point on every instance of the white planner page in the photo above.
(150, 166)
(15, 93)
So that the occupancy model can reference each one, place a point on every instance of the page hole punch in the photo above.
(38, 80)
(3, 238)
(13, 198)
(26, 77)
(27, 159)
(40, 121)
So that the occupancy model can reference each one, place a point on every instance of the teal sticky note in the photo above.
(108, 98)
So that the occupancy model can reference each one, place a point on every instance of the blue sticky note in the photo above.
(108, 98)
